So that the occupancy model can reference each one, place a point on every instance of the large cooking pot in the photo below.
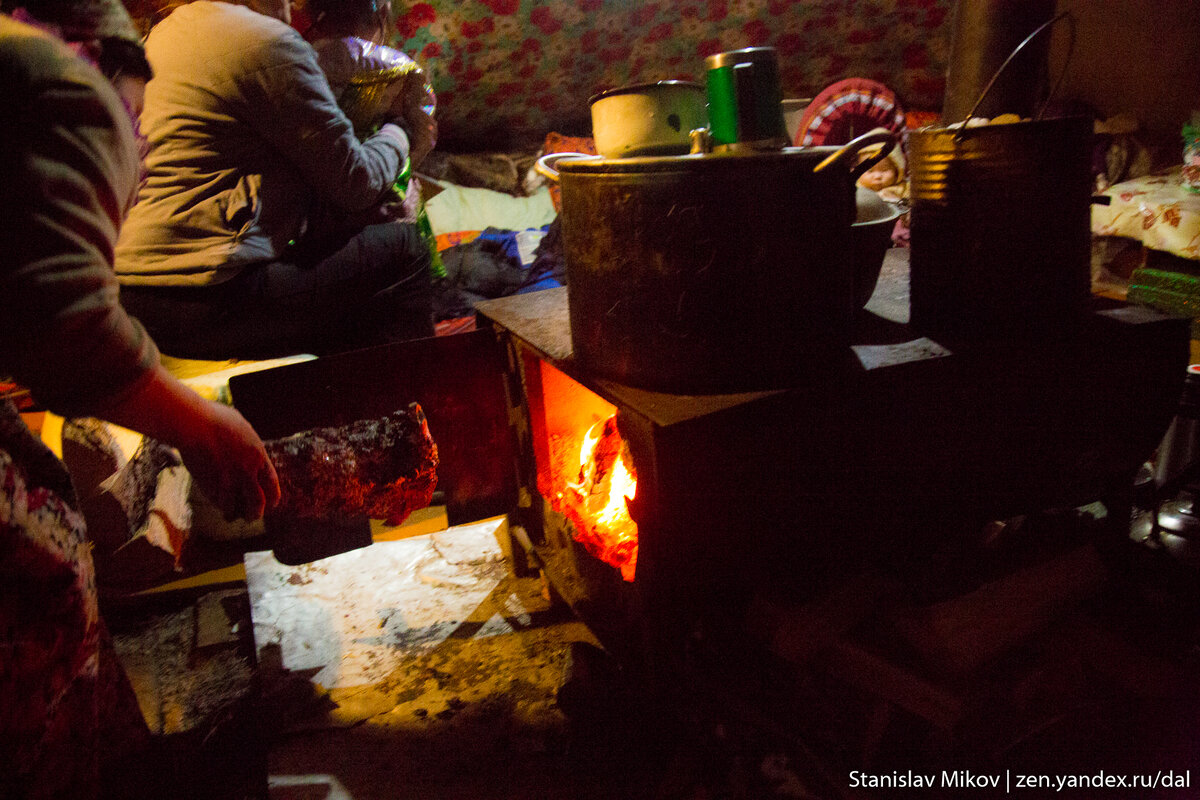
(710, 273)
(870, 239)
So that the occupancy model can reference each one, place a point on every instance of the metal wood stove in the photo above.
(897, 449)
(899, 444)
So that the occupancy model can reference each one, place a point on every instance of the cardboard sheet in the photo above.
(355, 617)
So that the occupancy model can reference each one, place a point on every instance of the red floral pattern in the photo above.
(64, 703)
(508, 72)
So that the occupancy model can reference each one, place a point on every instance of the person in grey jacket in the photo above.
(265, 227)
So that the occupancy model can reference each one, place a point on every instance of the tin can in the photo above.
(745, 101)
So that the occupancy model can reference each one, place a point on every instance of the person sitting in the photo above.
(372, 82)
(69, 167)
(265, 226)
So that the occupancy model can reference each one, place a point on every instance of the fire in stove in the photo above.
(587, 473)
(597, 502)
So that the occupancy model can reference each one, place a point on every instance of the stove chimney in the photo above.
(983, 34)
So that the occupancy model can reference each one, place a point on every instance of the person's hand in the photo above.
(390, 209)
(408, 111)
(230, 464)
(422, 135)
(413, 92)
(221, 451)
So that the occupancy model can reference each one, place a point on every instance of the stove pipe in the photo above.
(983, 34)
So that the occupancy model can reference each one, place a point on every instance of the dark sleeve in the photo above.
(68, 168)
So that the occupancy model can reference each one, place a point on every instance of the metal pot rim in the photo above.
(940, 134)
(742, 56)
(644, 87)
(599, 165)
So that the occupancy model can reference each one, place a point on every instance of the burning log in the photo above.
(382, 468)
(600, 497)
(594, 485)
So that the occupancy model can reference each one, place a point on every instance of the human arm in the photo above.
(219, 447)
(287, 100)
(420, 129)
(69, 170)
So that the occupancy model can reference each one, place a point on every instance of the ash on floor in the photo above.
(414, 668)
(186, 660)
(444, 676)
(439, 669)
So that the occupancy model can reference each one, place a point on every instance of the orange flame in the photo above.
(600, 498)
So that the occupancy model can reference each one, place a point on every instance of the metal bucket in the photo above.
(1000, 223)
(701, 274)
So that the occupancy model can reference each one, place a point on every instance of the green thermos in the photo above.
(745, 100)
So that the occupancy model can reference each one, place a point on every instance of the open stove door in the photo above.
(459, 382)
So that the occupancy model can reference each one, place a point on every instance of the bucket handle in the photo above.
(1067, 15)
(880, 136)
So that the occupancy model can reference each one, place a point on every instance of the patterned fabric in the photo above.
(558, 143)
(447, 240)
(509, 71)
(1155, 210)
(62, 694)
(846, 109)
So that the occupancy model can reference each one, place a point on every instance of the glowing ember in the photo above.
(599, 498)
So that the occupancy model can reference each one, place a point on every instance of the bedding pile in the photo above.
(498, 237)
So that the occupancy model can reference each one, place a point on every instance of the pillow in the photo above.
(460, 208)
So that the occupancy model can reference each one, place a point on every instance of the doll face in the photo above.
(880, 176)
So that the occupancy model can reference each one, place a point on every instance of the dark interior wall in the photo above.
(1136, 56)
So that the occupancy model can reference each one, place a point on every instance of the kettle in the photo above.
(1172, 506)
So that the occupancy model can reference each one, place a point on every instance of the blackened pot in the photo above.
(710, 273)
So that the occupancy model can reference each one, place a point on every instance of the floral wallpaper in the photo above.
(507, 72)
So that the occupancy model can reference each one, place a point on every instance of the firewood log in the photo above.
(383, 468)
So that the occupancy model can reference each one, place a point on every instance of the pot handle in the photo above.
(879, 136)
(545, 165)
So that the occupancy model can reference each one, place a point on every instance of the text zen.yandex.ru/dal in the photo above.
(1009, 781)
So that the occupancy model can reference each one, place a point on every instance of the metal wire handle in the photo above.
(1016, 50)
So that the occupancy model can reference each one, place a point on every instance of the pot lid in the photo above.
(639, 88)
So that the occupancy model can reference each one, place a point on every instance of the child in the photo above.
(373, 83)
(887, 177)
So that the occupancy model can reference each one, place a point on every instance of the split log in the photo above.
(382, 468)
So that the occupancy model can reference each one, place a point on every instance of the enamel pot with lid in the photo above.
(647, 119)
(710, 273)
